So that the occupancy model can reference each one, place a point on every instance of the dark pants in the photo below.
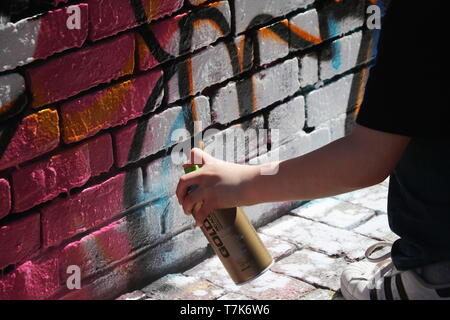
(419, 204)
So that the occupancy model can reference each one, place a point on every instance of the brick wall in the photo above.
(87, 114)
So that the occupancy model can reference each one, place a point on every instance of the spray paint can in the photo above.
(236, 243)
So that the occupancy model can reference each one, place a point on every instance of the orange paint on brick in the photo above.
(6, 107)
(142, 48)
(81, 124)
(44, 126)
(152, 8)
(39, 98)
(190, 75)
(241, 52)
(364, 74)
(128, 68)
(267, 33)
(303, 34)
(254, 102)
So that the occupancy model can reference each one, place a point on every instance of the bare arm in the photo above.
(363, 158)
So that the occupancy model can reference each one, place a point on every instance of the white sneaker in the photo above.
(380, 280)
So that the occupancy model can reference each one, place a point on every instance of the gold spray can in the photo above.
(236, 243)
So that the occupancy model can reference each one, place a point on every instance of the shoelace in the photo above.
(382, 268)
(375, 247)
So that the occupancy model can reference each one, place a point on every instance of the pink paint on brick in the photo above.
(100, 154)
(54, 35)
(5, 198)
(44, 180)
(66, 217)
(57, 2)
(19, 239)
(123, 139)
(108, 17)
(36, 135)
(155, 134)
(31, 281)
(96, 251)
(110, 107)
(72, 73)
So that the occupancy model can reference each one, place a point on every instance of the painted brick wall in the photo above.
(87, 114)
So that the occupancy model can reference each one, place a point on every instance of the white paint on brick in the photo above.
(374, 197)
(270, 85)
(277, 247)
(213, 270)
(209, 67)
(135, 295)
(205, 31)
(12, 86)
(377, 227)
(234, 296)
(288, 118)
(160, 126)
(301, 144)
(336, 213)
(271, 46)
(308, 69)
(313, 267)
(181, 287)
(329, 101)
(318, 236)
(319, 138)
(203, 110)
(247, 10)
(18, 43)
(320, 294)
(239, 142)
(305, 22)
(275, 286)
(336, 126)
(341, 55)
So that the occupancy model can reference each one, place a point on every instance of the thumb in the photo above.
(198, 157)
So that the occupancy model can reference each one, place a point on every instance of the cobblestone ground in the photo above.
(311, 246)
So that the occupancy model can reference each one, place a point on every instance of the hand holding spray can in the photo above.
(235, 241)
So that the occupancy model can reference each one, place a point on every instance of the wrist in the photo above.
(251, 192)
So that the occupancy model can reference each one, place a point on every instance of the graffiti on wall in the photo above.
(125, 236)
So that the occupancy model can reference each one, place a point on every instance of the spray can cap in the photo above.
(191, 169)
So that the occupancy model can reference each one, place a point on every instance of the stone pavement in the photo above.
(311, 246)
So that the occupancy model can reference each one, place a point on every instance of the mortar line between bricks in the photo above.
(303, 246)
(314, 284)
(377, 212)
(351, 228)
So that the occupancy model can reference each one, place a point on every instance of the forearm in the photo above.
(337, 168)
